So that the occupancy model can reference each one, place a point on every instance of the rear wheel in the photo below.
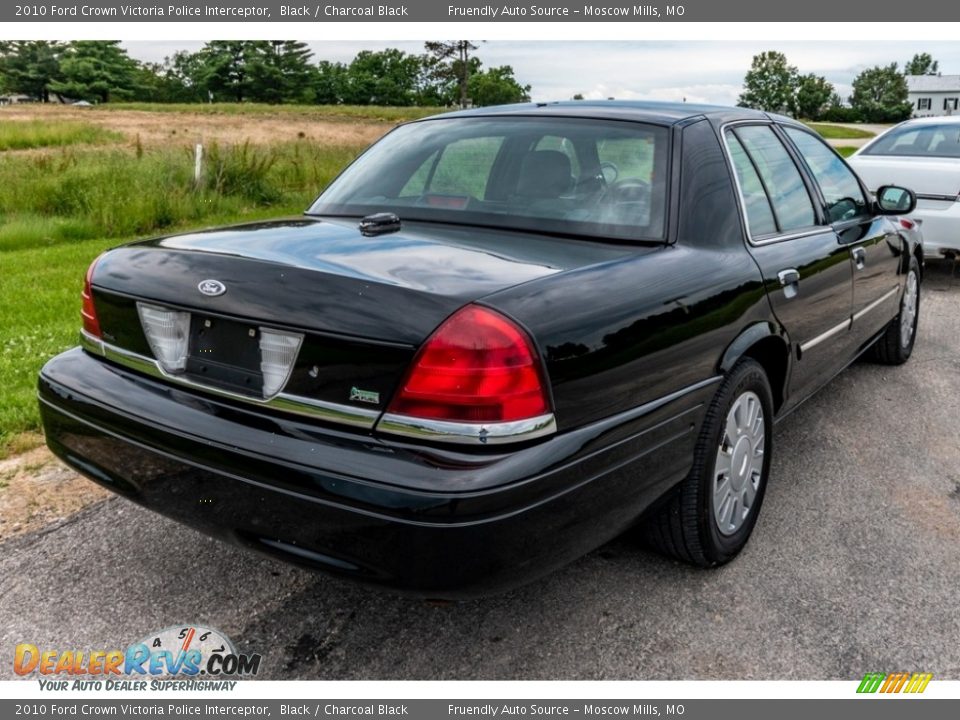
(895, 346)
(708, 520)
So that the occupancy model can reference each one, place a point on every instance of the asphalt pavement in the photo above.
(854, 566)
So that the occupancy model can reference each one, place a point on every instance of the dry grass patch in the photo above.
(36, 489)
(187, 127)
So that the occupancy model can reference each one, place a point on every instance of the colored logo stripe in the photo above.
(894, 682)
(918, 683)
(871, 682)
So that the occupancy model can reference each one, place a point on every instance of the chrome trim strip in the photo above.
(318, 409)
(769, 240)
(945, 198)
(494, 433)
(845, 325)
(875, 304)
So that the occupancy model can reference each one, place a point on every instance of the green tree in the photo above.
(223, 68)
(29, 66)
(173, 80)
(330, 83)
(813, 96)
(497, 86)
(880, 95)
(921, 64)
(453, 64)
(770, 84)
(98, 70)
(280, 71)
(184, 71)
(386, 77)
(578, 96)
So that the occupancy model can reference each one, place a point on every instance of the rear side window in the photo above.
(759, 215)
(792, 207)
(774, 196)
(841, 191)
(919, 141)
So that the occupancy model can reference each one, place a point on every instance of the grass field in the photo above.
(50, 198)
(27, 134)
(65, 201)
(39, 314)
(846, 150)
(840, 132)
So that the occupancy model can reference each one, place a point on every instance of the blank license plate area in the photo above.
(225, 353)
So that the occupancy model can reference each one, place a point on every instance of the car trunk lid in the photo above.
(931, 178)
(355, 307)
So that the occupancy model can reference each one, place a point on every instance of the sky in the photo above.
(701, 72)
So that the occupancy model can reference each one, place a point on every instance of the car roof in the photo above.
(935, 120)
(661, 113)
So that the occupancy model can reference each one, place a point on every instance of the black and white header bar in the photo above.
(446, 11)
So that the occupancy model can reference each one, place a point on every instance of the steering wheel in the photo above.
(627, 190)
(848, 205)
(623, 197)
(609, 172)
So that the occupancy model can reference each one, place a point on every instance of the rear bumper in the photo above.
(940, 227)
(428, 520)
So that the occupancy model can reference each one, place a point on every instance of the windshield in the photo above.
(919, 141)
(560, 175)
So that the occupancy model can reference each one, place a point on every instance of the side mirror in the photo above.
(894, 200)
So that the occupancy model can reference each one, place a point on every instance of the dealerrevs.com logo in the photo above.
(172, 659)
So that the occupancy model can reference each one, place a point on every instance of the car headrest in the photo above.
(544, 174)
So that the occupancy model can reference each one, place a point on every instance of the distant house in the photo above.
(15, 99)
(933, 95)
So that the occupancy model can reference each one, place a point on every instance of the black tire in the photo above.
(684, 527)
(889, 348)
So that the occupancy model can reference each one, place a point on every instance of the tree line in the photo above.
(880, 93)
(268, 71)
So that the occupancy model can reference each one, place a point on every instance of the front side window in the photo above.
(789, 199)
(841, 189)
(597, 178)
(936, 140)
(923, 104)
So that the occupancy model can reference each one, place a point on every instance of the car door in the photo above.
(807, 273)
(874, 245)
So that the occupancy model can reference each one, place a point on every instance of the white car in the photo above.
(923, 155)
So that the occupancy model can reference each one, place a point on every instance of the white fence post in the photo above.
(197, 164)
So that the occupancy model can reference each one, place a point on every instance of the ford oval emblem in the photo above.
(212, 288)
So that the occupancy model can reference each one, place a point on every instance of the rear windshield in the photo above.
(919, 141)
(559, 175)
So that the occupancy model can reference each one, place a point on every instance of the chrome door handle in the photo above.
(859, 257)
(789, 281)
(790, 276)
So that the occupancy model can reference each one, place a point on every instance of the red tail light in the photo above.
(476, 367)
(908, 224)
(88, 312)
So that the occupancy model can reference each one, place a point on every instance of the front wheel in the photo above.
(709, 518)
(895, 346)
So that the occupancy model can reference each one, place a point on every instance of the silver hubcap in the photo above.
(739, 465)
(908, 309)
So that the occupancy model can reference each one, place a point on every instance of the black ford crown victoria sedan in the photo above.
(499, 339)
